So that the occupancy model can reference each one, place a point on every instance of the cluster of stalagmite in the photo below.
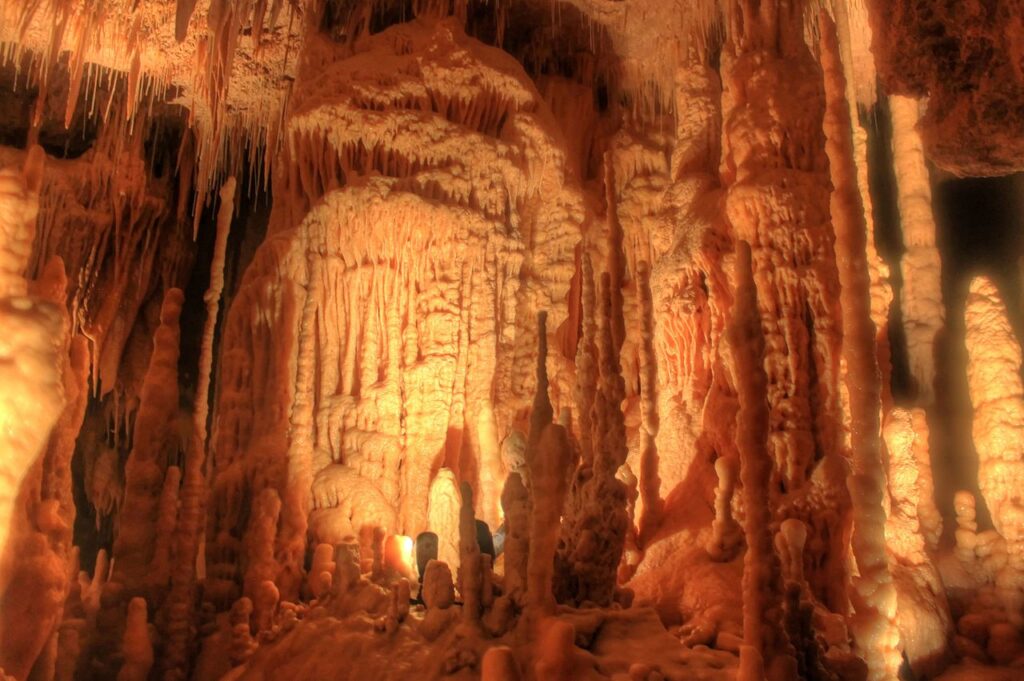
(921, 293)
(568, 360)
(402, 294)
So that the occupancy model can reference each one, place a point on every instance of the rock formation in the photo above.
(532, 339)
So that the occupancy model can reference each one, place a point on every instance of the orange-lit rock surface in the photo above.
(997, 394)
(523, 340)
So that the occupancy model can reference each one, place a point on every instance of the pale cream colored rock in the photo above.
(922, 611)
(997, 394)
(443, 515)
(921, 294)
(872, 593)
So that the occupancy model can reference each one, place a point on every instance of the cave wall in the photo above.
(437, 177)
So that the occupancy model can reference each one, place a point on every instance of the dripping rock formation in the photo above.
(511, 340)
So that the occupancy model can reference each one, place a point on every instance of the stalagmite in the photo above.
(649, 481)
(873, 595)
(766, 652)
(515, 502)
(549, 458)
(921, 294)
(263, 522)
(966, 527)
(791, 540)
(167, 517)
(499, 664)
(321, 572)
(136, 646)
(147, 463)
(549, 340)
(586, 361)
(922, 609)
(727, 534)
(927, 512)
(470, 579)
(438, 589)
(997, 394)
(444, 510)
(242, 643)
(548, 471)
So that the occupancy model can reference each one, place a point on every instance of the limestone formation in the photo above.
(533, 339)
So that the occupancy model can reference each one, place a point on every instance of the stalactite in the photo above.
(182, 16)
(873, 595)
(212, 299)
(921, 296)
(766, 652)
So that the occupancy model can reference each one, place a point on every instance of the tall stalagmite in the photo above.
(595, 523)
(873, 595)
(997, 394)
(766, 651)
